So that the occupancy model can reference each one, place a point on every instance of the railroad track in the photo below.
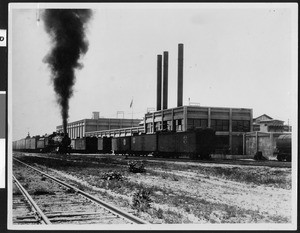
(238, 162)
(64, 205)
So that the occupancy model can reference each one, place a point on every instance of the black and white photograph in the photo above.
(152, 116)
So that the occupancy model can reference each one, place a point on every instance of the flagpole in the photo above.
(131, 112)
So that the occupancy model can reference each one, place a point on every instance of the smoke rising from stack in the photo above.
(66, 28)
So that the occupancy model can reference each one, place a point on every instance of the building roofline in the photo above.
(83, 120)
(192, 106)
(263, 115)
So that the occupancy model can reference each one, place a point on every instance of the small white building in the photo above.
(265, 123)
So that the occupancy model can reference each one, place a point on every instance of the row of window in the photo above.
(240, 126)
(197, 123)
(218, 125)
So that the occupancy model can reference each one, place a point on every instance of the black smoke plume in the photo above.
(66, 28)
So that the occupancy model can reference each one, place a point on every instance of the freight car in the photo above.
(284, 148)
(104, 145)
(144, 144)
(26, 144)
(55, 142)
(195, 144)
(121, 145)
(85, 145)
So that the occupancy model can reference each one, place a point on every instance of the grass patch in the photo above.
(279, 178)
(176, 204)
(172, 217)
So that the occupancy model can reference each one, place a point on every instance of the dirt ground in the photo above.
(182, 192)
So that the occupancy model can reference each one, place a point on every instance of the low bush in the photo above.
(141, 200)
(160, 213)
(136, 167)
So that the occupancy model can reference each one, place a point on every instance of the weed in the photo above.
(136, 167)
(175, 178)
(141, 200)
(70, 190)
(164, 175)
(159, 213)
(187, 209)
(112, 176)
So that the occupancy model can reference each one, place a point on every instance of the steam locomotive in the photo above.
(198, 143)
(55, 142)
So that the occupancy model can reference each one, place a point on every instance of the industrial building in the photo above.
(230, 124)
(82, 127)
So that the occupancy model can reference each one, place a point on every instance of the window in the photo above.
(149, 127)
(178, 125)
(167, 125)
(157, 126)
(204, 123)
(197, 123)
(220, 125)
(241, 126)
(256, 127)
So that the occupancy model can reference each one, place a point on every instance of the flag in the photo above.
(131, 103)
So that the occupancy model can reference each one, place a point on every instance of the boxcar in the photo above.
(73, 144)
(85, 145)
(143, 144)
(166, 145)
(104, 145)
(80, 145)
(197, 143)
(30, 144)
(33, 142)
(121, 145)
(22, 144)
(40, 145)
(27, 144)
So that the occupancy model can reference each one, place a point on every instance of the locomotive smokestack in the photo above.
(159, 74)
(180, 76)
(165, 80)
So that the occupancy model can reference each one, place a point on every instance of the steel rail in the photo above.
(105, 205)
(32, 203)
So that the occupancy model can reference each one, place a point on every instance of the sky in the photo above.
(235, 55)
